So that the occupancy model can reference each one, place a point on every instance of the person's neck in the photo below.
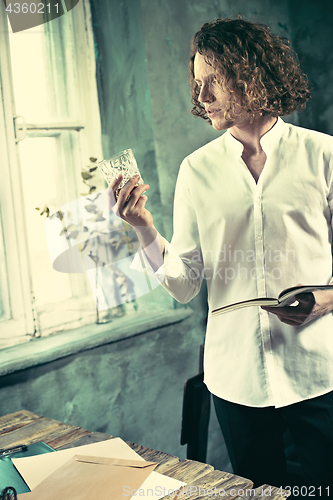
(249, 134)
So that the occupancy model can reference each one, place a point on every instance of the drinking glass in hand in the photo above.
(123, 163)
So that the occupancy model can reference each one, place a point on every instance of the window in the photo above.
(49, 126)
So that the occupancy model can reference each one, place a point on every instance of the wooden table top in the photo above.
(25, 427)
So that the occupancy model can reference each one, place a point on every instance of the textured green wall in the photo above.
(124, 95)
(311, 32)
(131, 388)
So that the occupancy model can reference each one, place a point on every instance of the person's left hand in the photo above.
(311, 305)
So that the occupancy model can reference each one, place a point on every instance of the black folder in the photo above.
(9, 476)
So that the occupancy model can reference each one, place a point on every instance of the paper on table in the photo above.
(156, 486)
(91, 477)
(35, 469)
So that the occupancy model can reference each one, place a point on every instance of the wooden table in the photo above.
(25, 427)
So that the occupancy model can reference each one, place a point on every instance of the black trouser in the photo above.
(254, 439)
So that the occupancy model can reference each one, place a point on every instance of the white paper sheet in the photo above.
(35, 469)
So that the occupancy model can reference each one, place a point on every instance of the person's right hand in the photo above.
(129, 202)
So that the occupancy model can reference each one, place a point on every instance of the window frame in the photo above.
(24, 322)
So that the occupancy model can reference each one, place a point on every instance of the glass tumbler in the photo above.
(123, 163)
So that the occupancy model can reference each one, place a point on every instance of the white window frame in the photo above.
(23, 321)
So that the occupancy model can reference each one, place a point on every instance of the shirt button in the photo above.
(259, 238)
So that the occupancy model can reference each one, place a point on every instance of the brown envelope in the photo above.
(85, 477)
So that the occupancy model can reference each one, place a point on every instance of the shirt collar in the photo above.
(267, 141)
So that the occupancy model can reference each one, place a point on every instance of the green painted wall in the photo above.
(312, 36)
(132, 388)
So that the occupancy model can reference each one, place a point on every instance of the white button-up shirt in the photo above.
(249, 240)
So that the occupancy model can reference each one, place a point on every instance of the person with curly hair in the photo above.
(265, 75)
(253, 216)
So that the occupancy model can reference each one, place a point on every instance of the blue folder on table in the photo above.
(9, 476)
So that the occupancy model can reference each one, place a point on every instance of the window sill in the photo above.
(47, 349)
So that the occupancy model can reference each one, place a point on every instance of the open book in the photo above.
(285, 298)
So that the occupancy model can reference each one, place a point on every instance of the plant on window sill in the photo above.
(101, 246)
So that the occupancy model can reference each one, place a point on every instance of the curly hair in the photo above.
(264, 72)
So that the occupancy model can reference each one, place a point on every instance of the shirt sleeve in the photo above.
(329, 160)
(181, 273)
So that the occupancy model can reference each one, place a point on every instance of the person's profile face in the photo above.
(212, 95)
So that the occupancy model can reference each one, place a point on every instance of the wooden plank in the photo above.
(164, 460)
(62, 437)
(38, 430)
(13, 421)
(215, 484)
(93, 437)
(224, 483)
(188, 470)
